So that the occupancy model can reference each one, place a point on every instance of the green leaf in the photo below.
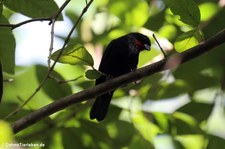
(68, 135)
(1, 82)
(185, 124)
(188, 40)
(170, 90)
(1, 7)
(92, 74)
(7, 47)
(74, 54)
(208, 10)
(195, 110)
(215, 142)
(187, 10)
(138, 142)
(138, 15)
(146, 128)
(222, 83)
(24, 83)
(6, 134)
(191, 141)
(52, 88)
(33, 8)
(168, 31)
(134, 13)
(215, 24)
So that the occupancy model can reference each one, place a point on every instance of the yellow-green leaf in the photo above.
(146, 128)
(1, 82)
(92, 74)
(74, 54)
(6, 133)
(208, 10)
(188, 40)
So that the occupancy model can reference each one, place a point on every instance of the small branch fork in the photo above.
(52, 20)
(112, 84)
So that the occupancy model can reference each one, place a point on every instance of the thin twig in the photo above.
(51, 43)
(64, 81)
(13, 26)
(59, 11)
(164, 54)
(21, 100)
(53, 20)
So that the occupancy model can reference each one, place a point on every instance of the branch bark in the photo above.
(92, 92)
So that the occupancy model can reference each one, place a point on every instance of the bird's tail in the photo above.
(100, 106)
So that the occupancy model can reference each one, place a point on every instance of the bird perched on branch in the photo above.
(120, 57)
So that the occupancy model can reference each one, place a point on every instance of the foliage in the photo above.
(6, 133)
(74, 54)
(181, 108)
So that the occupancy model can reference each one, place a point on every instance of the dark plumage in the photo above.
(120, 57)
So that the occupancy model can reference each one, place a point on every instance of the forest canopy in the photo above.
(177, 104)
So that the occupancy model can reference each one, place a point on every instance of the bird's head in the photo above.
(140, 41)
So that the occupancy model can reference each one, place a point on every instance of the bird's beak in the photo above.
(147, 47)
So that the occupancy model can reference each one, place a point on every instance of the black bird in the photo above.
(120, 57)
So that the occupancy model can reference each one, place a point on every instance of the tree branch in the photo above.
(13, 26)
(50, 19)
(112, 84)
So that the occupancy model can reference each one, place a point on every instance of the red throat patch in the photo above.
(139, 45)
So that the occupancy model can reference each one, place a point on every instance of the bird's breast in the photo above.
(120, 64)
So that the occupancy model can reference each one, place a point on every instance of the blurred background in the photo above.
(181, 108)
